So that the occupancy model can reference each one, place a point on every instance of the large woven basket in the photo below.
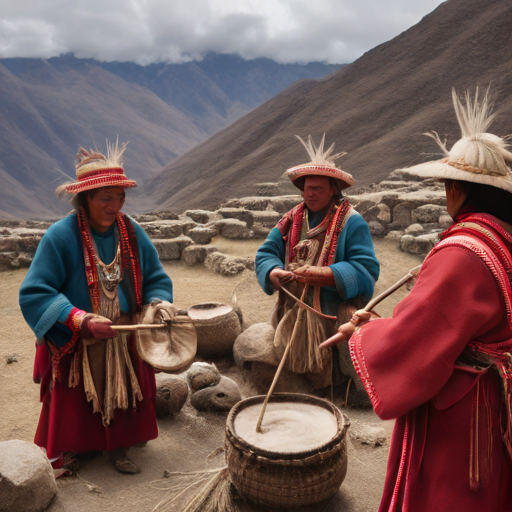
(287, 480)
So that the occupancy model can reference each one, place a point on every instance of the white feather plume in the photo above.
(476, 115)
(318, 155)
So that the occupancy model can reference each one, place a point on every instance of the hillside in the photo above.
(375, 109)
(48, 108)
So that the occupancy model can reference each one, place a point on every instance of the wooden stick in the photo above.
(137, 327)
(278, 372)
(303, 305)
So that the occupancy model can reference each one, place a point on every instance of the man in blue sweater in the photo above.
(322, 252)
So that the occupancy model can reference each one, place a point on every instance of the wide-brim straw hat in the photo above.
(94, 170)
(478, 157)
(321, 164)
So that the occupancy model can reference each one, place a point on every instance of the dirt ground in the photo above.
(186, 440)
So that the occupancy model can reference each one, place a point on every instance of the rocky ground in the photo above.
(187, 438)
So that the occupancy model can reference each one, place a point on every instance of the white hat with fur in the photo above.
(478, 157)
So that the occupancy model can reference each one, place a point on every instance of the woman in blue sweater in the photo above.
(94, 268)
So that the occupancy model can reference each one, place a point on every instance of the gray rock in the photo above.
(268, 218)
(379, 212)
(173, 248)
(27, 483)
(145, 218)
(445, 221)
(220, 397)
(403, 175)
(268, 189)
(232, 228)
(260, 231)
(418, 244)
(227, 265)
(196, 254)
(427, 213)
(162, 229)
(240, 214)
(256, 343)
(376, 228)
(202, 375)
(171, 394)
(394, 235)
(368, 435)
(401, 216)
(414, 229)
(202, 235)
(280, 204)
(199, 216)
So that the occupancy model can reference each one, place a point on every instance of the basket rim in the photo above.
(342, 425)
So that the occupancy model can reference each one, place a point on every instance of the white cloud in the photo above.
(146, 31)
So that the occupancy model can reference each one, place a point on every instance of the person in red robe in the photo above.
(441, 365)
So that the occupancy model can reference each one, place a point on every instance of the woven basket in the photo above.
(287, 480)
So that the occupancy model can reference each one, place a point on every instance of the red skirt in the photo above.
(67, 422)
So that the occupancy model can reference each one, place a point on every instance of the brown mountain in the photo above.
(375, 109)
(48, 108)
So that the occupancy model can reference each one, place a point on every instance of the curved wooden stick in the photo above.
(339, 337)
(303, 305)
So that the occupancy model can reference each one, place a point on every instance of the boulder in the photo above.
(220, 397)
(199, 216)
(27, 483)
(401, 215)
(145, 218)
(280, 204)
(427, 213)
(260, 231)
(166, 215)
(379, 212)
(394, 235)
(196, 254)
(162, 229)
(414, 229)
(256, 343)
(202, 375)
(376, 228)
(418, 244)
(445, 221)
(268, 189)
(370, 435)
(237, 213)
(171, 249)
(6, 259)
(267, 218)
(227, 265)
(202, 235)
(232, 228)
(171, 394)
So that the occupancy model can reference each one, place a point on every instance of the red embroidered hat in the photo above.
(94, 170)
(322, 164)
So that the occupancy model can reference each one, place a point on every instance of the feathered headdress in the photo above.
(478, 157)
(94, 170)
(321, 164)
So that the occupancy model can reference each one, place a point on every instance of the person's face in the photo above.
(318, 192)
(104, 207)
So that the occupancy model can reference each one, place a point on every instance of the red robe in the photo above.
(408, 366)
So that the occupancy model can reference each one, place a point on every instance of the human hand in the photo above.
(97, 327)
(314, 276)
(345, 331)
(278, 276)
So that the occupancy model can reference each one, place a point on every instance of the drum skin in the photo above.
(287, 480)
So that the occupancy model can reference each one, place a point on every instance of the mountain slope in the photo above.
(375, 109)
(48, 108)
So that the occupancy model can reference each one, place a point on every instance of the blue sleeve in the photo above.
(156, 284)
(40, 300)
(356, 268)
(269, 256)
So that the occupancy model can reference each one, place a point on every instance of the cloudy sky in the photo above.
(334, 31)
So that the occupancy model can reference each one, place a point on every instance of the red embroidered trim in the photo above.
(102, 181)
(74, 322)
(358, 360)
(405, 446)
